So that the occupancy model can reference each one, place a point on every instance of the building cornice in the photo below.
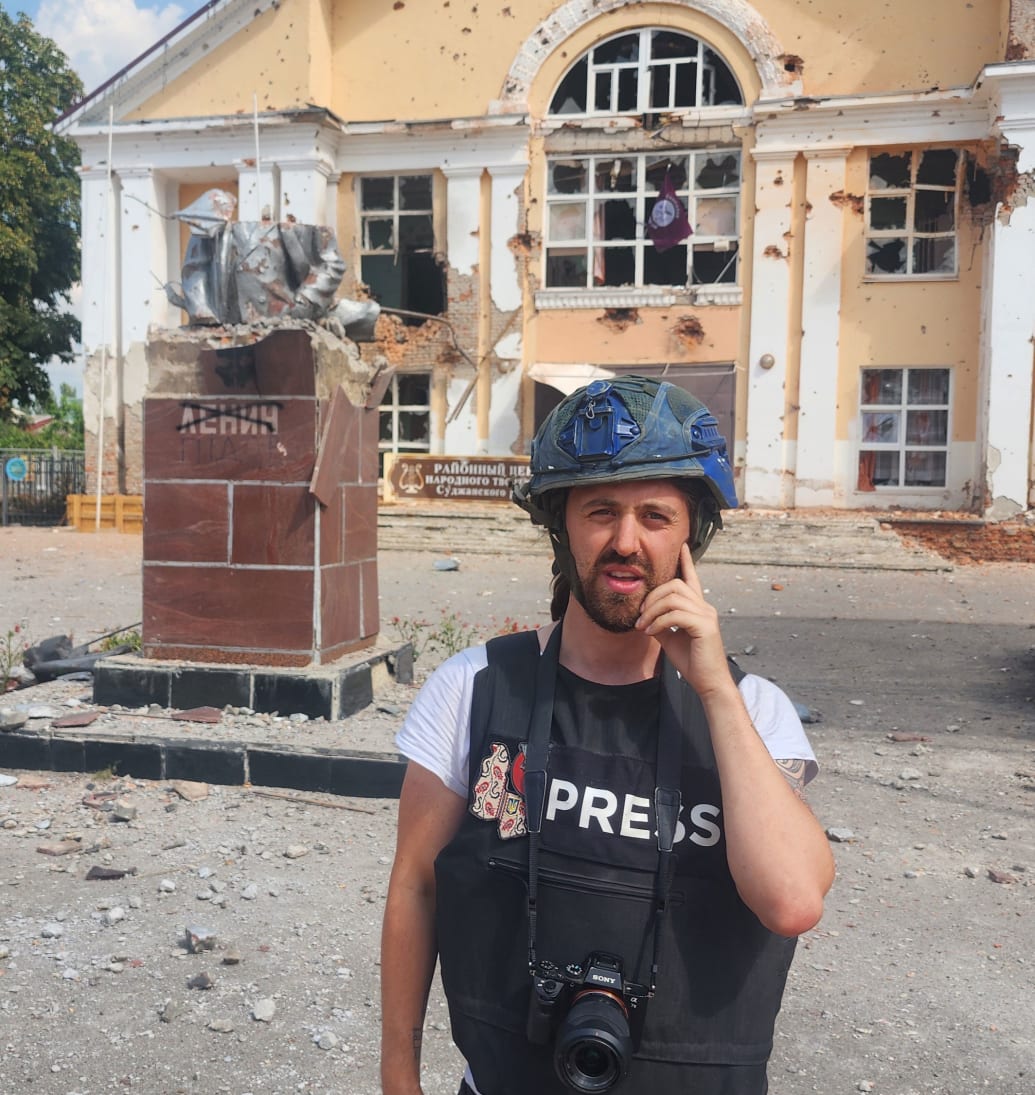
(955, 115)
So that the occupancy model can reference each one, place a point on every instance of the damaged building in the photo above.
(814, 215)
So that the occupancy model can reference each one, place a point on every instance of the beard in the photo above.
(616, 612)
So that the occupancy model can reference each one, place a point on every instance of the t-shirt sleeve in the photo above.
(777, 722)
(436, 733)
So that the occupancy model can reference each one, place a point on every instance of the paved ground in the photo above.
(918, 980)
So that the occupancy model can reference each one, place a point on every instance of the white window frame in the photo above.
(909, 233)
(642, 197)
(391, 407)
(644, 66)
(395, 213)
(901, 445)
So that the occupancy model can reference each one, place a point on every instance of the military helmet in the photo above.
(629, 428)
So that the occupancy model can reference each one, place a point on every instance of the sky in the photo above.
(99, 37)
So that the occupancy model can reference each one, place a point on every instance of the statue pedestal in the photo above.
(260, 498)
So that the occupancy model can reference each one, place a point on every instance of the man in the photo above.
(601, 829)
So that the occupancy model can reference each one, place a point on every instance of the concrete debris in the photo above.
(200, 939)
(190, 790)
(60, 847)
(295, 851)
(6, 780)
(840, 836)
(446, 564)
(12, 718)
(201, 981)
(264, 1010)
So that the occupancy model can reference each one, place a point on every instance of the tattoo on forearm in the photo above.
(418, 1039)
(794, 772)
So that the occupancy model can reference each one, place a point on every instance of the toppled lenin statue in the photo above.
(252, 271)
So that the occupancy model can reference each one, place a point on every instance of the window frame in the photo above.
(390, 406)
(902, 445)
(909, 233)
(644, 67)
(641, 196)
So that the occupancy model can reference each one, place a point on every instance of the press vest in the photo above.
(720, 975)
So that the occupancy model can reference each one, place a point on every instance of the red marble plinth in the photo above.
(260, 506)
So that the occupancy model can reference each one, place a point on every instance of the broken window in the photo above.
(904, 428)
(597, 208)
(405, 416)
(646, 71)
(398, 261)
(911, 213)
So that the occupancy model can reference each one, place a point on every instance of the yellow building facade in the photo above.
(854, 297)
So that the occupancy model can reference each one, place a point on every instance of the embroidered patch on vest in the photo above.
(499, 791)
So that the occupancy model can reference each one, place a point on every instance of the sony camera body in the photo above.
(593, 1016)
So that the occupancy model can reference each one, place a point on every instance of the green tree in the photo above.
(39, 212)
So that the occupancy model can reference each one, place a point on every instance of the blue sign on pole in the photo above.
(16, 469)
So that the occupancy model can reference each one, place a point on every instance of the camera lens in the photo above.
(593, 1047)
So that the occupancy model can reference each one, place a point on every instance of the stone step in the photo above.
(749, 537)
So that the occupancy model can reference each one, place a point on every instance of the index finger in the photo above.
(688, 571)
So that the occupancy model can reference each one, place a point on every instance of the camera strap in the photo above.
(536, 759)
(667, 796)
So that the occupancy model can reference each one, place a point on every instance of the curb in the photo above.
(332, 771)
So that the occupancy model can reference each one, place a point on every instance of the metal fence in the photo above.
(35, 483)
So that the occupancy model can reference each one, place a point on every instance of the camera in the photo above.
(591, 1013)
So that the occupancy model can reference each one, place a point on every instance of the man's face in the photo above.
(625, 540)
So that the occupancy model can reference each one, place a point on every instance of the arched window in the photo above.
(642, 214)
(646, 71)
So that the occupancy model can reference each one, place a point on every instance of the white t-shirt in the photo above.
(437, 731)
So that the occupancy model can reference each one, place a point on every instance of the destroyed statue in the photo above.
(251, 271)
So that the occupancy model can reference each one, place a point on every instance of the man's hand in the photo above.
(687, 626)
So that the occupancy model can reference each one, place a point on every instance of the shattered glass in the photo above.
(615, 175)
(379, 235)
(933, 211)
(568, 177)
(882, 386)
(934, 256)
(937, 167)
(621, 50)
(377, 192)
(614, 220)
(676, 166)
(714, 264)
(880, 426)
(886, 256)
(570, 96)
(718, 172)
(415, 192)
(890, 171)
(888, 213)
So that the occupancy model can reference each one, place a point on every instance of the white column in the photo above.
(1009, 306)
(506, 208)
(463, 217)
(767, 481)
(821, 326)
(258, 192)
(303, 190)
(1011, 325)
(506, 182)
(98, 259)
(143, 253)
